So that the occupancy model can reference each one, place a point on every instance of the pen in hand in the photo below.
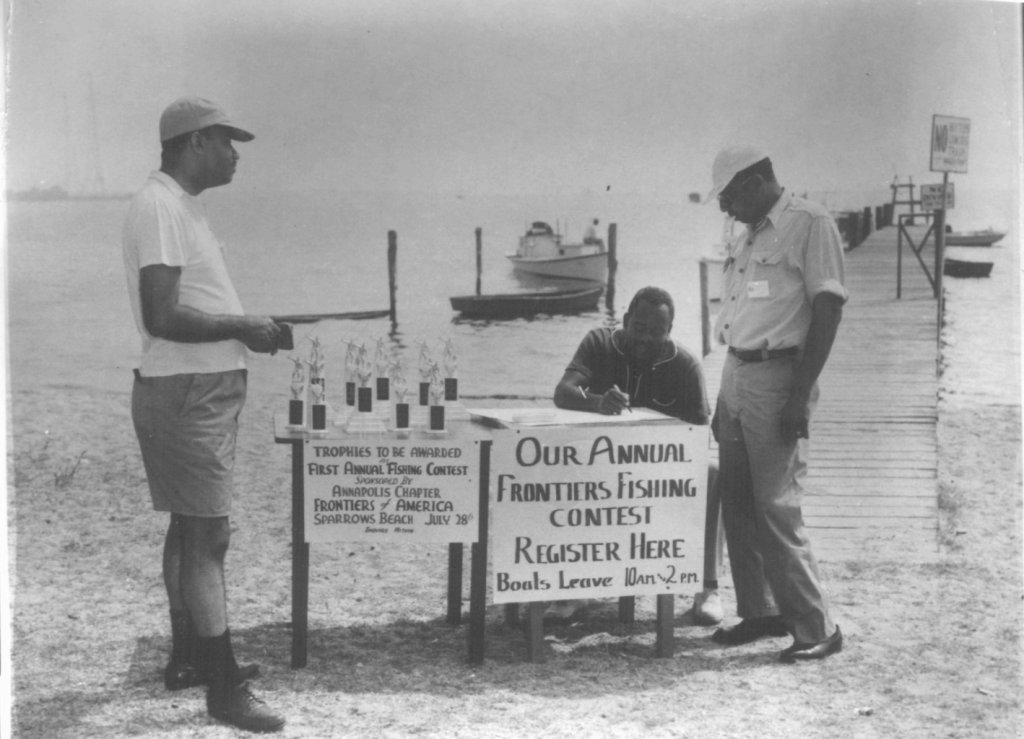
(616, 389)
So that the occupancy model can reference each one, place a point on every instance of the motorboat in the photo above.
(543, 252)
(974, 238)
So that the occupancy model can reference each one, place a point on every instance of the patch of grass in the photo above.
(63, 477)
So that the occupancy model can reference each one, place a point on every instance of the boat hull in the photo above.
(514, 305)
(973, 238)
(960, 268)
(588, 267)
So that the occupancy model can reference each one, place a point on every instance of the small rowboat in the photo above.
(960, 268)
(974, 238)
(515, 305)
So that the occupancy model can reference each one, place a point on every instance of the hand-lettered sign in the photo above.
(585, 512)
(385, 489)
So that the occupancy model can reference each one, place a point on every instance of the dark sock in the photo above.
(711, 584)
(182, 634)
(217, 659)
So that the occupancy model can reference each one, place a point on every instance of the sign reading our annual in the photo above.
(419, 490)
(587, 512)
(951, 139)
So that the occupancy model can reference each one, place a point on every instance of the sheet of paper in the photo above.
(562, 417)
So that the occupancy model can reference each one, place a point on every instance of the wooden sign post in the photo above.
(950, 146)
(378, 488)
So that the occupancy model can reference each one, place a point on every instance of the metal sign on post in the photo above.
(950, 143)
(931, 197)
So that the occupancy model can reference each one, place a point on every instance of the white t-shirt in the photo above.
(166, 225)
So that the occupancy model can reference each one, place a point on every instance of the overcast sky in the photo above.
(515, 95)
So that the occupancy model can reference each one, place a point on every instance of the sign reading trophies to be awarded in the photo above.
(595, 512)
(416, 490)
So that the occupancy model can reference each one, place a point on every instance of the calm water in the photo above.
(70, 325)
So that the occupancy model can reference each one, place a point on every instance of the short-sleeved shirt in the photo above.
(166, 225)
(774, 272)
(673, 384)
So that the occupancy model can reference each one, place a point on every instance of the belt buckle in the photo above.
(765, 355)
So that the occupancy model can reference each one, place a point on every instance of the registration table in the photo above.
(570, 505)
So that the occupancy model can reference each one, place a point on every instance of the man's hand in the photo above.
(260, 334)
(613, 402)
(796, 416)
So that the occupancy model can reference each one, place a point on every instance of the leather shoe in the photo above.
(750, 629)
(182, 675)
(239, 707)
(821, 650)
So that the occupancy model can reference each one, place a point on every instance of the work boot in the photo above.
(239, 707)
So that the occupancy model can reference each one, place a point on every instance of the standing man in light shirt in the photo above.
(189, 390)
(782, 303)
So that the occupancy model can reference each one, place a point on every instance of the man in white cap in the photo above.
(781, 307)
(189, 390)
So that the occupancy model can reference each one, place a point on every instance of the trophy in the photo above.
(454, 408)
(426, 369)
(436, 391)
(381, 362)
(396, 373)
(317, 386)
(297, 404)
(351, 350)
(364, 420)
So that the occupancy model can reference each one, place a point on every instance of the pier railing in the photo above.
(904, 234)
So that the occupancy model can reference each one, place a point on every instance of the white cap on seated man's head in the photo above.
(730, 162)
(191, 113)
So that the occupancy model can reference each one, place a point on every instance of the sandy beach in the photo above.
(937, 653)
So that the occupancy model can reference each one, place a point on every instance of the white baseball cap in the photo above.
(730, 162)
(192, 113)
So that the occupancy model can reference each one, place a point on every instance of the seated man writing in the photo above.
(639, 365)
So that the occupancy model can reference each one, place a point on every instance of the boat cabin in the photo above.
(541, 242)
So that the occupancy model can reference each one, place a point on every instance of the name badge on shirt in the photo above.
(758, 289)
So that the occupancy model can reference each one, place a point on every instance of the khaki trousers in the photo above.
(760, 480)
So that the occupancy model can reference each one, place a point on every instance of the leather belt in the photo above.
(760, 355)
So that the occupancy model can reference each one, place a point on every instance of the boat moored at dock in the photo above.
(974, 238)
(515, 305)
(542, 252)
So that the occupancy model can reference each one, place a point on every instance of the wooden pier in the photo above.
(872, 482)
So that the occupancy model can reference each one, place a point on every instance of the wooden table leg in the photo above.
(300, 562)
(666, 642)
(627, 609)
(478, 571)
(455, 552)
(535, 631)
(512, 615)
